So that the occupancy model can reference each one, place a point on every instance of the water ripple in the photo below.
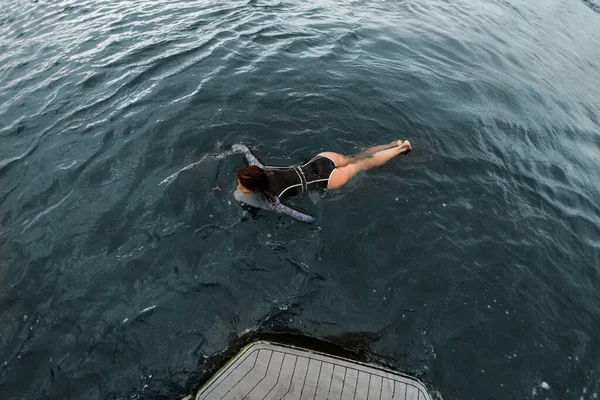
(482, 244)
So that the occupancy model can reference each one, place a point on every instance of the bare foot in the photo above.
(404, 146)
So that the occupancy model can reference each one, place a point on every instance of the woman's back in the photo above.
(291, 181)
(283, 181)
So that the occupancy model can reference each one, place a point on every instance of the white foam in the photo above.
(148, 309)
(64, 166)
(254, 200)
(314, 197)
(28, 223)
(172, 177)
(544, 385)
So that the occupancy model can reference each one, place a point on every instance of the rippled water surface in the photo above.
(473, 262)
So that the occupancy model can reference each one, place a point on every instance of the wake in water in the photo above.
(169, 179)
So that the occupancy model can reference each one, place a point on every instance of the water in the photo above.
(473, 262)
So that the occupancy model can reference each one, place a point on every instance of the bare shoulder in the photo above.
(338, 159)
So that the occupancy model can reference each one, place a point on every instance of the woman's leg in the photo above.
(341, 175)
(342, 161)
(376, 149)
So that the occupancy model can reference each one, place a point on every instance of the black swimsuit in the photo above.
(290, 181)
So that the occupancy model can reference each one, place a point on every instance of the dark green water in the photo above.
(473, 262)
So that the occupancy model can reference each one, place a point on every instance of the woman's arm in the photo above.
(251, 159)
(297, 215)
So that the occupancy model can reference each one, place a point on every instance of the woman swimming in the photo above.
(325, 170)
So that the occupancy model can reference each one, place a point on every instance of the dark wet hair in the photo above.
(255, 179)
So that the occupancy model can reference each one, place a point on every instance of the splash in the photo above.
(169, 179)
